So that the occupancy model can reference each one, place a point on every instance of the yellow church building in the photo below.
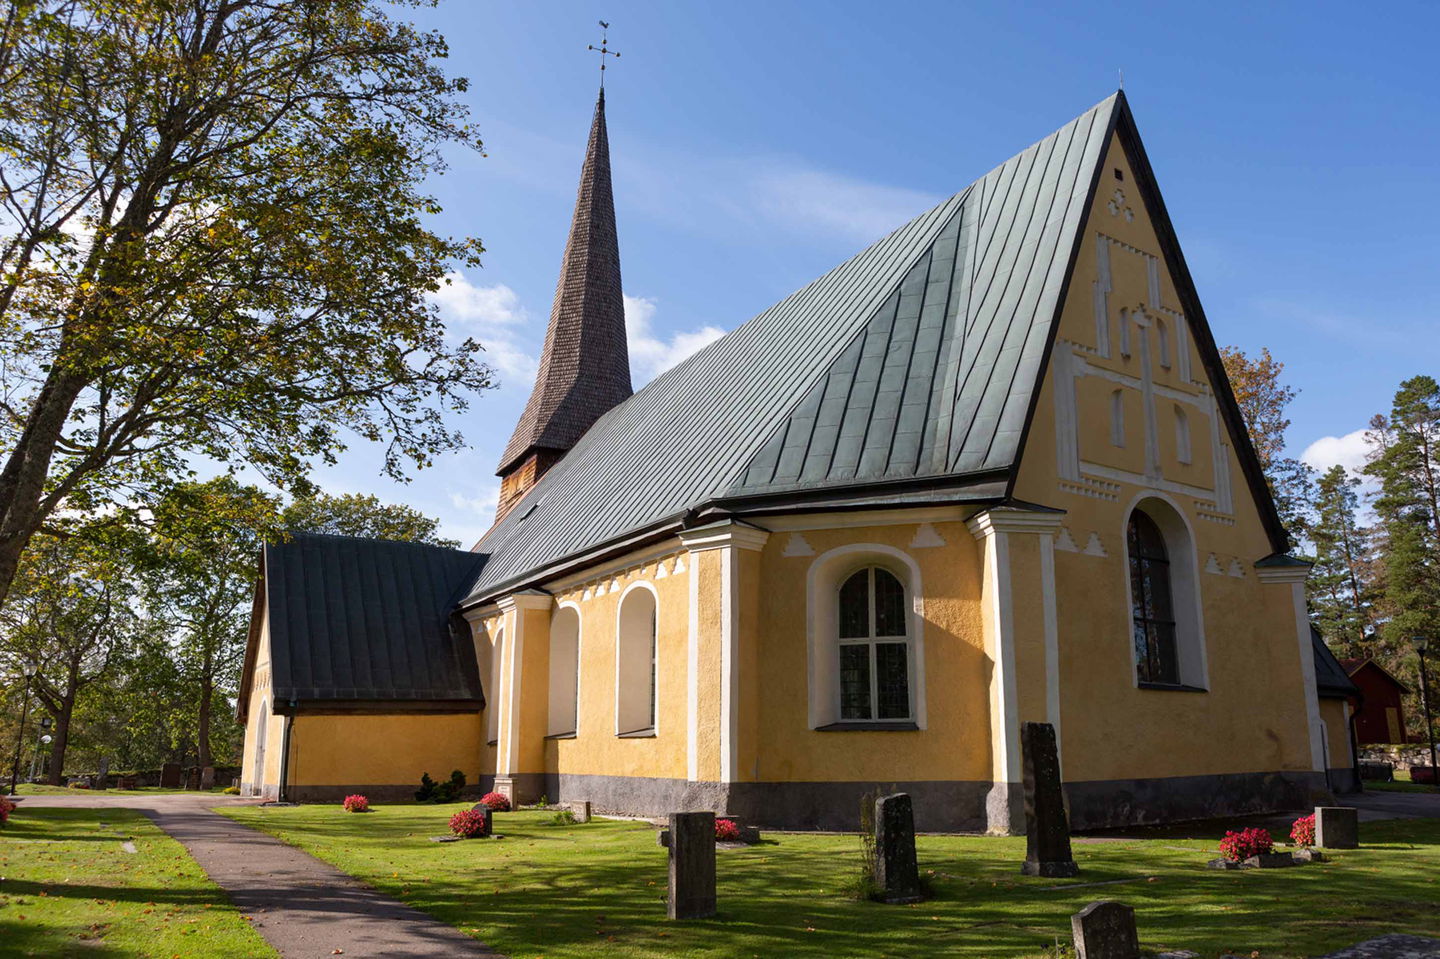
(987, 471)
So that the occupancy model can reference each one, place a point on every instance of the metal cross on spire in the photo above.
(603, 50)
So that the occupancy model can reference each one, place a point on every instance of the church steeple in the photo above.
(585, 367)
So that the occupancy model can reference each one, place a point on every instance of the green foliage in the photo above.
(217, 245)
(563, 818)
(1341, 588)
(440, 792)
(1263, 398)
(352, 514)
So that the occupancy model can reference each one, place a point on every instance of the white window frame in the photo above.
(1185, 596)
(654, 727)
(555, 726)
(826, 574)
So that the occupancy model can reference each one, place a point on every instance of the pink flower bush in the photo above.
(1239, 846)
(1302, 832)
(6, 807)
(468, 823)
(498, 802)
(356, 803)
(726, 830)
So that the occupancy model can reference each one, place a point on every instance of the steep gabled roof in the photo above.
(907, 374)
(1331, 678)
(365, 623)
(1353, 666)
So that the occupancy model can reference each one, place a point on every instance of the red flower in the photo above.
(1239, 846)
(1302, 832)
(468, 823)
(498, 802)
(356, 803)
(6, 806)
(726, 830)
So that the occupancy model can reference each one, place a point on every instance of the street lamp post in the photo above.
(1421, 645)
(20, 739)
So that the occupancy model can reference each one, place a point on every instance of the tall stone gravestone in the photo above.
(692, 865)
(1105, 930)
(897, 876)
(1047, 828)
(170, 776)
(207, 777)
(102, 778)
(1336, 827)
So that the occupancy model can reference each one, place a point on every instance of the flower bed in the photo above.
(1239, 846)
(1302, 831)
(469, 824)
(727, 830)
(6, 807)
(356, 803)
(498, 802)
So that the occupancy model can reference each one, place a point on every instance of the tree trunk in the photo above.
(202, 745)
(61, 740)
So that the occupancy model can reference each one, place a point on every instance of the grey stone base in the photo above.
(1107, 804)
(1343, 780)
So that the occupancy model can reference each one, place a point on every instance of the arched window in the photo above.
(1182, 435)
(874, 647)
(564, 671)
(492, 688)
(635, 664)
(257, 772)
(1152, 605)
(1117, 418)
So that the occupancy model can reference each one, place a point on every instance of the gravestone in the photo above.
(1105, 930)
(207, 777)
(102, 779)
(1336, 827)
(127, 782)
(1047, 828)
(192, 777)
(580, 809)
(170, 776)
(896, 875)
(489, 825)
(692, 866)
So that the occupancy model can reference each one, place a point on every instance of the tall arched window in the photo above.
(1153, 608)
(492, 690)
(564, 671)
(874, 647)
(637, 649)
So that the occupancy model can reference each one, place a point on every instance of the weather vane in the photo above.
(603, 50)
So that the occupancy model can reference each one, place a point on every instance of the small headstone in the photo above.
(1105, 930)
(488, 827)
(1223, 864)
(1337, 827)
(1308, 855)
(192, 777)
(170, 776)
(102, 779)
(127, 782)
(1047, 828)
(896, 875)
(692, 865)
(207, 777)
(444, 838)
(749, 835)
(1270, 860)
(580, 809)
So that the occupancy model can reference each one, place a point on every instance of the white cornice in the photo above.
(853, 519)
(1010, 519)
(725, 533)
(1282, 574)
(525, 599)
(642, 557)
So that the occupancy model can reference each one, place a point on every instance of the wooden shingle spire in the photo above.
(585, 366)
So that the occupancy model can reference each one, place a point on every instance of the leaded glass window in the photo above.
(1152, 605)
(874, 647)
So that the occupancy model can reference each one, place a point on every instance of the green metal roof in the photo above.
(916, 359)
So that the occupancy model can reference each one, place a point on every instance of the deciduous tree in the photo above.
(1263, 398)
(213, 240)
(353, 514)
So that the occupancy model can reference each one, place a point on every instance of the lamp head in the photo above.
(1422, 643)
(46, 740)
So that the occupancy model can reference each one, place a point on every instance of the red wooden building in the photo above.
(1381, 716)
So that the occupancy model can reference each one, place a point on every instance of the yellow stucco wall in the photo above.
(383, 750)
(1253, 716)
(262, 716)
(1337, 733)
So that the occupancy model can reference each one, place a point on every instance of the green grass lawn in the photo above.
(1401, 784)
(598, 889)
(68, 888)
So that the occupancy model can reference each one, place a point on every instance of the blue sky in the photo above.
(756, 145)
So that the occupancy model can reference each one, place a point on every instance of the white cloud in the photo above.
(650, 355)
(482, 504)
(493, 316)
(1348, 451)
(811, 200)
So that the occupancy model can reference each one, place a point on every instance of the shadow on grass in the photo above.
(29, 939)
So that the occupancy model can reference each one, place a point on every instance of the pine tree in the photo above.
(1341, 586)
(1405, 460)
